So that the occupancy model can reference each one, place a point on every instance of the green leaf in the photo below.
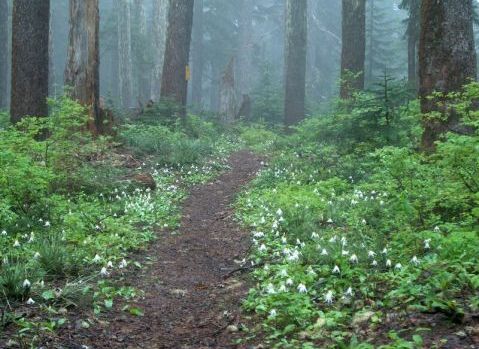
(108, 303)
(48, 295)
(136, 311)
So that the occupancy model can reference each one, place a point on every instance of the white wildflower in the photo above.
(426, 244)
(398, 266)
(16, 244)
(283, 273)
(279, 212)
(272, 313)
(329, 297)
(47, 224)
(270, 289)
(289, 282)
(123, 264)
(104, 272)
(26, 283)
(262, 248)
(345, 253)
(96, 259)
(336, 270)
(415, 260)
(314, 235)
(374, 263)
(324, 252)
(30, 301)
(302, 288)
(353, 258)
(388, 263)
(349, 291)
(371, 254)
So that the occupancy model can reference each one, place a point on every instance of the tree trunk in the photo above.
(3, 54)
(124, 45)
(447, 61)
(353, 49)
(214, 87)
(30, 23)
(198, 61)
(139, 47)
(227, 95)
(82, 72)
(160, 25)
(413, 30)
(51, 56)
(411, 61)
(245, 54)
(295, 61)
(370, 31)
(174, 80)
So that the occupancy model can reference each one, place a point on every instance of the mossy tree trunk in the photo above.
(447, 61)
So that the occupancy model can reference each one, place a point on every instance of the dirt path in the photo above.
(188, 303)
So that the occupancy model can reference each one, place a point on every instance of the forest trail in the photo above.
(188, 302)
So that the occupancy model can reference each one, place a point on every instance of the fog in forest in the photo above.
(247, 174)
(251, 33)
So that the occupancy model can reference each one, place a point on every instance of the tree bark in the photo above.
(139, 48)
(447, 61)
(124, 46)
(197, 59)
(3, 54)
(370, 32)
(51, 56)
(174, 82)
(411, 61)
(353, 47)
(295, 61)
(228, 95)
(30, 24)
(245, 54)
(82, 72)
(160, 25)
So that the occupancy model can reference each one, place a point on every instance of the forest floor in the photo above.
(190, 300)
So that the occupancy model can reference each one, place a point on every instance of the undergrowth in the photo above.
(74, 208)
(357, 236)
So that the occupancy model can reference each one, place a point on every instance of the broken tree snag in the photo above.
(295, 61)
(245, 108)
(354, 47)
(227, 95)
(447, 61)
(30, 32)
(82, 72)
